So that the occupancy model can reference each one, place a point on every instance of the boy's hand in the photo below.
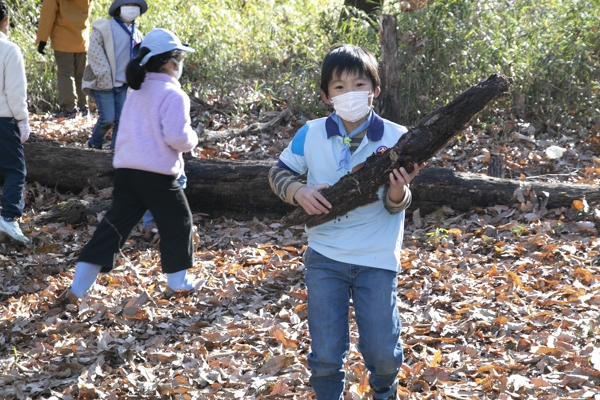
(311, 200)
(399, 178)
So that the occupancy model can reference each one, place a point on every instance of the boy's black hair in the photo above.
(3, 10)
(349, 58)
(135, 74)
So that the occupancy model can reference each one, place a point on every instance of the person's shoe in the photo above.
(386, 395)
(84, 111)
(184, 292)
(67, 114)
(11, 228)
(392, 397)
(90, 145)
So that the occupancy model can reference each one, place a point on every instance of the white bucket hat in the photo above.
(112, 11)
(160, 41)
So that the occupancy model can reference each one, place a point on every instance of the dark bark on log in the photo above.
(67, 168)
(464, 191)
(416, 146)
(389, 100)
(240, 189)
(496, 167)
(236, 189)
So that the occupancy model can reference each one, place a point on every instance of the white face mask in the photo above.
(129, 13)
(352, 106)
(179, 69)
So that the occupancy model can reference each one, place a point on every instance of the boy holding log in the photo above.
(356, 256)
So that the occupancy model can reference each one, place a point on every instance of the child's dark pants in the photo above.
(135, 192)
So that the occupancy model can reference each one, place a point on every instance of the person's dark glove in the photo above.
(41, 47)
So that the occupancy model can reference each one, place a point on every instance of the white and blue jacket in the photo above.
(368, 235)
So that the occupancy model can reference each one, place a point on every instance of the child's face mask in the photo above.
(129, 13)
(179, 69)
(353, 105)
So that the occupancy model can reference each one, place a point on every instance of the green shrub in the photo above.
(549, 47)
(264, 54)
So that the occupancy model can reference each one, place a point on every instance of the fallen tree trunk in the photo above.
(418, 145)
(240, 189)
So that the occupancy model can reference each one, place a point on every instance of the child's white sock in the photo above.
(85, 276)
(180, 280)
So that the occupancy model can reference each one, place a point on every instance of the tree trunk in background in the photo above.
(368, 6)
(389, 99)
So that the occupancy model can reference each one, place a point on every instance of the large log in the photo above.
(418, 145)
(240, 189)
(237, 189)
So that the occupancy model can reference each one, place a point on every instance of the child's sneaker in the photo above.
(11, 228)
(196, 286)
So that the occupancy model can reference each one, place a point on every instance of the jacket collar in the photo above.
(374, 131)
(164, 77)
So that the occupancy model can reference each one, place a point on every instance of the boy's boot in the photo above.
(388, 394)
(393, 396)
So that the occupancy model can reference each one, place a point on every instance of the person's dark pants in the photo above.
(135, 192)
(70, 67)
(12, 168)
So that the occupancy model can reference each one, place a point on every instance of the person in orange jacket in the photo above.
(66, 23)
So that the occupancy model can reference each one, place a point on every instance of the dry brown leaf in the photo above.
(276, 364)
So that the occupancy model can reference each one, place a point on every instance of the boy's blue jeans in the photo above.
(109, 103)
(330, 286)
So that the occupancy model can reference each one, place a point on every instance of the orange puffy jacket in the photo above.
(66, 22)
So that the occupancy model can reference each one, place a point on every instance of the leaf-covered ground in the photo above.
(497, 303)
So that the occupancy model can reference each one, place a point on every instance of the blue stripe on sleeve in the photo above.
(298, 141)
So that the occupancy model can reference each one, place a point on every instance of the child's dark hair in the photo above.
(348, 58)
(3, 10)
(136, 73)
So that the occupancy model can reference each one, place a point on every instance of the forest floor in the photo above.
(496, 303)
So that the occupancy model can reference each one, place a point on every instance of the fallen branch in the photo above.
(206, 136)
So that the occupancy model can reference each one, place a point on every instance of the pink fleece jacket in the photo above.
(154, 129)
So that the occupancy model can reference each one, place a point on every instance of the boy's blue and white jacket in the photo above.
(368, 235)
